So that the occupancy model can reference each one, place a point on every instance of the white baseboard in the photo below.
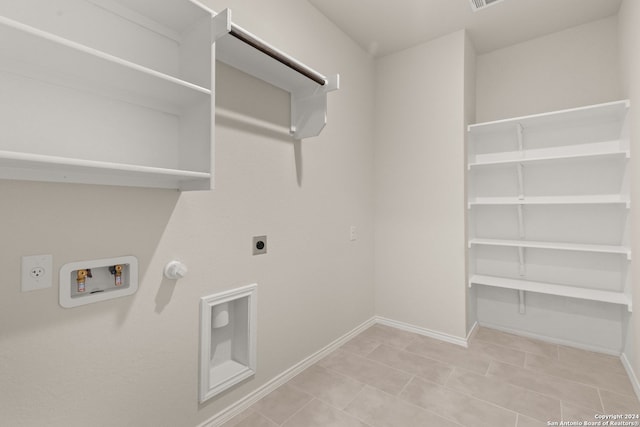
(631, 374)
(244, 403)
(551, 340)
(422, 331)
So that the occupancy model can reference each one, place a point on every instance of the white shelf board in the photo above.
(30, 51)
(552, 200)
(599, 149)
(37, 167)
(552, 289)
(578, 247)
(610, 111)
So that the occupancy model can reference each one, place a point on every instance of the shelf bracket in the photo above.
(520, 222)
(522, 309)
(521, 260)
(520, 130)
(520, 181)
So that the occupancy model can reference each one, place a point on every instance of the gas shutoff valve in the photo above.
(175, 270)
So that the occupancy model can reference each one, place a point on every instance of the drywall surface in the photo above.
(571, 68)
(419, 233)
(629, 21)
(469, 117)
(134, 361)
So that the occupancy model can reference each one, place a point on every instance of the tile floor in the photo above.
(388, 377)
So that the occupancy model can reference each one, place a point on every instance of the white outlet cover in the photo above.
(44, 265)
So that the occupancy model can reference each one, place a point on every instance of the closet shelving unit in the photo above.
(121, 92)
(548, 200)
(115, 92)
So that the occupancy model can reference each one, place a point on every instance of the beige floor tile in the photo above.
(524, 421)
(498, 352)
(517, 399)
(319, 414)
(596, 377)
(380, 409)
(366, 371)
(455, 406)
(281, 404)
(331, 387)
(576, 413)
(390, 336)
(588, 360)
(615, 403)
(252, 419)
(552, 386)
(428, 369)
(517, 342)
(360, 345)
(450, 353)
(240, 417)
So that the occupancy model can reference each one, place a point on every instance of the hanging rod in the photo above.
(258, 44)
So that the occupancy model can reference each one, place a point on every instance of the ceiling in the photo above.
(386, 26)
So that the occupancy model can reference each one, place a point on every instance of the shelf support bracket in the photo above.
(521, 302)
(520, 222)
(520, 181)
(521, 268)
(309, 110)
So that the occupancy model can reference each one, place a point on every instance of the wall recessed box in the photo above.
(227, 339)
(98, 280)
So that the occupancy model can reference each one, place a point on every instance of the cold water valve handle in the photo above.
(116, 270)
(81, 277)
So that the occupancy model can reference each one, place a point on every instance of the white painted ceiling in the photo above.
(386, 26)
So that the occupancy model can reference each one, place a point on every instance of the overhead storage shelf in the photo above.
(563, 246)
(33, 167)
(614, 111)
(308, 88)
(33, 52)
(552, 289)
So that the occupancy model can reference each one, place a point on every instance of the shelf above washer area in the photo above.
(563, 246)
(597, 199)
(308, 88)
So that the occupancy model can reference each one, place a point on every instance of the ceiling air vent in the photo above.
(481, 4)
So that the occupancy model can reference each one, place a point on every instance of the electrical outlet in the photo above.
(353, 233)
(259, 245)
(37, 272)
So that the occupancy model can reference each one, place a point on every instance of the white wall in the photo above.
(419, 175)
(629, 21)
(134, 361)
(571, 68)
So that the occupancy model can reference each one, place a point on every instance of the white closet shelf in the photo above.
(37, 167)
(30, 51)
(308, 88)
(552, 289)
(552, 200)
(578, 247)
(597, 149)
(610, 110)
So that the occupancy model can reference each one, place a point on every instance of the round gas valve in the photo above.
(175, 270)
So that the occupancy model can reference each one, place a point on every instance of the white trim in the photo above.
(244, 403)
(551, 340)
(422, 331)
(472, 331)
(631, 374)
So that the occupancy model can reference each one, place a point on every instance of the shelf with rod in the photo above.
(246, 52)
(552, 289)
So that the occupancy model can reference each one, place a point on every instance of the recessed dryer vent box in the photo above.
(97, 280)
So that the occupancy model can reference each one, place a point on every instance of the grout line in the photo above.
(601, 402)
(405, 386)
(298, 411)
